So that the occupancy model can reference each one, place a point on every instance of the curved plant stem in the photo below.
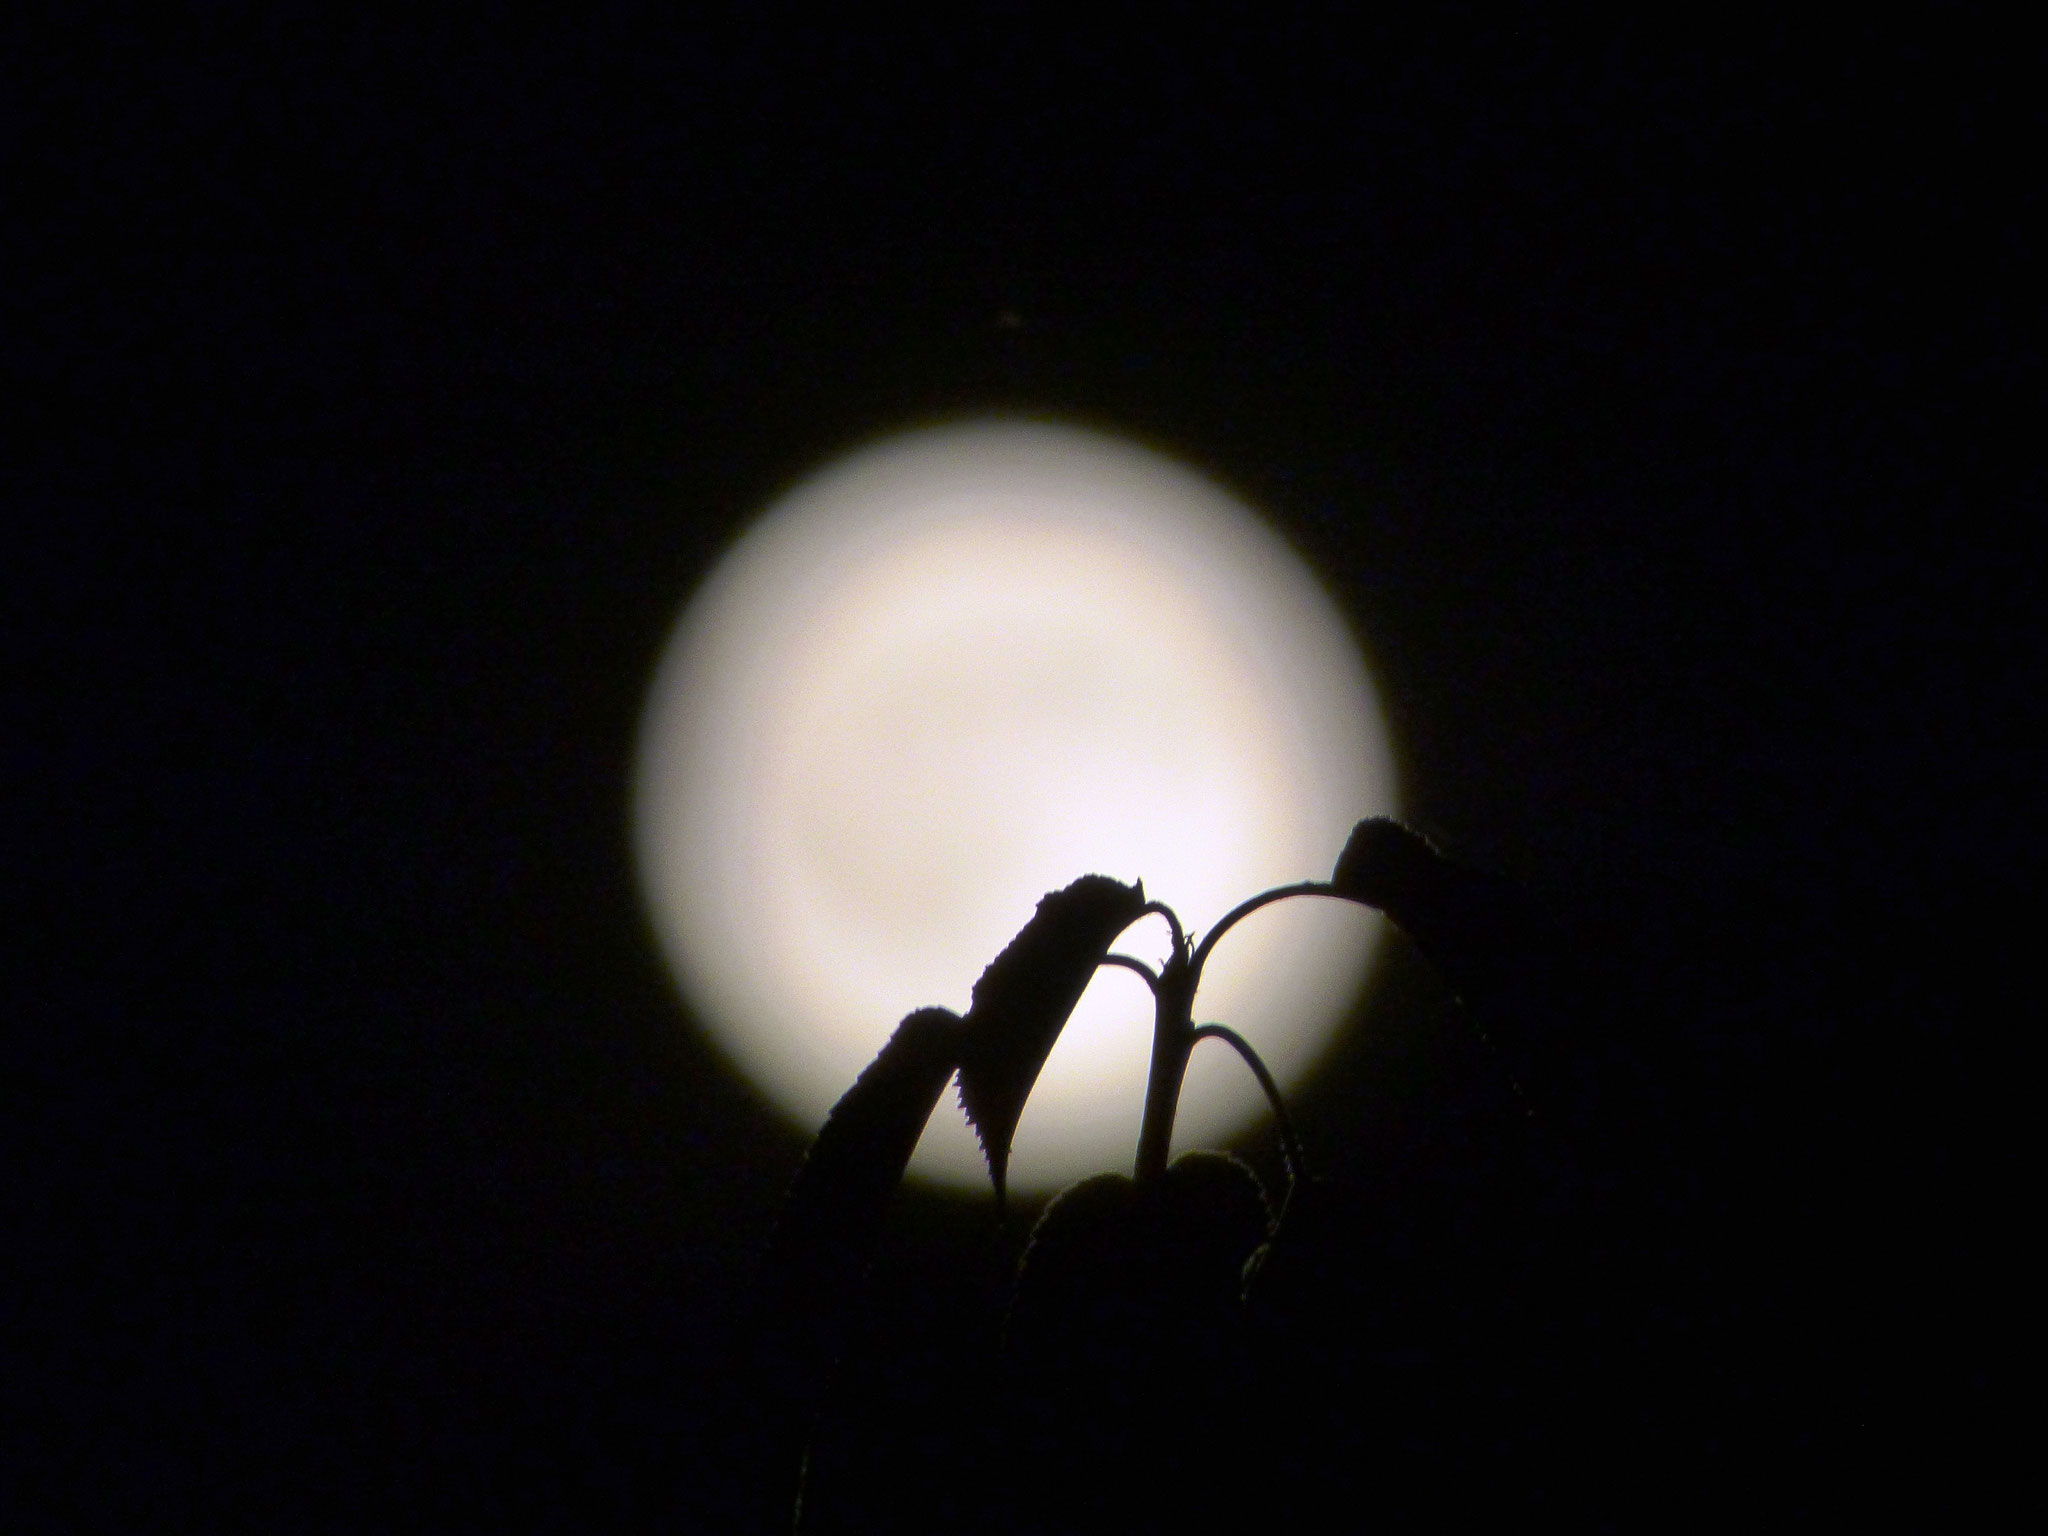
(1132, 963)
(1174, 1033)
(1173, 1006)
(1290, 1139)
(1172, 921)
(1252, 904)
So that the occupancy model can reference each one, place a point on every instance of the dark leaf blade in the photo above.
(811, 1280)
(1520, 974)
(860, 1153)
(1485, 935)
(1382, 861)
(1024, 999)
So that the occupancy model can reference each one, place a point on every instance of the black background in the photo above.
(378, 392)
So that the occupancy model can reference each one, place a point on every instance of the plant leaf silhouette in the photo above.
(1024, 999)
(1380, 859)
(1484, 934)
(859, 1155)
(811, 1281)
(1518, 972)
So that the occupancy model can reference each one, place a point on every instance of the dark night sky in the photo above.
(378, 394)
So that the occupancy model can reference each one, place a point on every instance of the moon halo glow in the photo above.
(953, 671)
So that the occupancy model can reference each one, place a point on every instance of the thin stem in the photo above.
(1133, 963)
(1173, 1002)
(1290, 1141)
(1247, 907)
(1172, 921)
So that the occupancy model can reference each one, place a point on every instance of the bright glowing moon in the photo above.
(952, 672)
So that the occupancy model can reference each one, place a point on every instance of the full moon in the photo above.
(953, 671)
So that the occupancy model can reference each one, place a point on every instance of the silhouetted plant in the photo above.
(1131, 1290)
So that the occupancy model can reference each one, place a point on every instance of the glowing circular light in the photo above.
(952, 672)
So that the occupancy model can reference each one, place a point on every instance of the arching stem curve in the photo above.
(1290, 1139)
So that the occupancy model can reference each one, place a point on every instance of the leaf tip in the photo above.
(1376, 858)
(1024, 999)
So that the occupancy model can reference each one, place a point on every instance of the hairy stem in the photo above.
(1172, 921)
(1174, 1033)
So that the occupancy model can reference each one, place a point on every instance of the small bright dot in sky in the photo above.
(953, 671)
